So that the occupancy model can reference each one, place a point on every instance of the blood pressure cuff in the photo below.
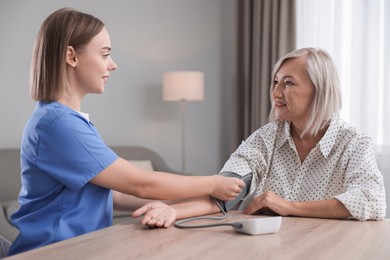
(228, 205)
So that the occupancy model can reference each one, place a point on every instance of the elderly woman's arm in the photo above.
(161, 215)
(364, 195)
(331, 208)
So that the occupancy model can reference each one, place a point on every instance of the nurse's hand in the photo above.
(156, 214)
(225, 188)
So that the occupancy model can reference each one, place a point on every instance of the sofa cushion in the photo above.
(6, 229)
(10, 207)
(9, 174)
(142, 164)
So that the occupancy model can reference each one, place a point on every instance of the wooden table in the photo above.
(298, 238)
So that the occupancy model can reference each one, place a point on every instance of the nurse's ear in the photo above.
(71, 58)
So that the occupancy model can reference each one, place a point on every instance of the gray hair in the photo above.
(327, 95)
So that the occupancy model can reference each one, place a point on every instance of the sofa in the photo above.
(10, 181)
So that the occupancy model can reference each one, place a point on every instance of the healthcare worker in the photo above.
(71, 180)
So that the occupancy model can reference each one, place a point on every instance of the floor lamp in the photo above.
(183, 86)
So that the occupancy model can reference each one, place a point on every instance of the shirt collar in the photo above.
(85, 115)
(284, 133)
(326, 143)
(328, 140)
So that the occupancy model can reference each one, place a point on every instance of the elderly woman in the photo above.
(306, 161)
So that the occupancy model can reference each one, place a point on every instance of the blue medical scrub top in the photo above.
(61, 152)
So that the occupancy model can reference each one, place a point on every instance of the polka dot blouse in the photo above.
(341, 166)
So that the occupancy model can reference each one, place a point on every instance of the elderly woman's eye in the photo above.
(289, 83)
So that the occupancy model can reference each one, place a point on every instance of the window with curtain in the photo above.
(356, 33)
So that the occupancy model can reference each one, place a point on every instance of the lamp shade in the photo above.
(183, 85)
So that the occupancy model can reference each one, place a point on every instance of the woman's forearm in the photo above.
(331, 208)
(125, 202)
(195, 207)
(126, 178)
(160, 215)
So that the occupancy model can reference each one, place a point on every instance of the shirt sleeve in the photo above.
(72, 152)
(365, 195)
(252, 156)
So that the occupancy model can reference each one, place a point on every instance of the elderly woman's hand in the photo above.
(269, 201)
(157, 214)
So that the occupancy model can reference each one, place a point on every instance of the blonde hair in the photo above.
(322, 72)
(65, 27)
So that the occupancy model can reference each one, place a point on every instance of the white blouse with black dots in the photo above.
(341, 166)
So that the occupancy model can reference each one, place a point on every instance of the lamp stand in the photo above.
(183, 86)
(183, 134)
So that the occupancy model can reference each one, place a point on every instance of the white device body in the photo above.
(259, 226)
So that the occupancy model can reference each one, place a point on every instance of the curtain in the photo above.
(266, 31)
(357, 35)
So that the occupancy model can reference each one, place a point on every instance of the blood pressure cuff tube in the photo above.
(228, 205)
